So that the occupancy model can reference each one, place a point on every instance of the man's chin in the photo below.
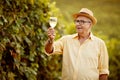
(79, 31)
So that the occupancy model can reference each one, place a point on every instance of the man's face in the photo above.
(83, 25)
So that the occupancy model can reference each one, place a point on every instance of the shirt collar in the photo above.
(90, 37)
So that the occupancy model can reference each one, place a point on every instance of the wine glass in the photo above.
(53, 21)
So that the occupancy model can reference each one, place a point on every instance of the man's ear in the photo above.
(91, 25)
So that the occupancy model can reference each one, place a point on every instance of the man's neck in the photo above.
(83, 36)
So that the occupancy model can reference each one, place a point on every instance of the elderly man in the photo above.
(85, 56)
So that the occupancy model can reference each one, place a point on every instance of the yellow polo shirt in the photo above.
(84, 61)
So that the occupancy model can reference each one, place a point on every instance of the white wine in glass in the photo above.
(53, 21)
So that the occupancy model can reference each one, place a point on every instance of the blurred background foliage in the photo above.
(23, 25)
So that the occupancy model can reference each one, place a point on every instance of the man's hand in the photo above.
(49, 43)
(103, 77)
(51, 33)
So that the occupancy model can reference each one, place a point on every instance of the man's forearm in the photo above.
(49, 46)
(103, 77)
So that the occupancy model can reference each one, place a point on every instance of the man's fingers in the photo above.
(51, 33)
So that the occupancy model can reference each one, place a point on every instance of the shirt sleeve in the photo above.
(103, 59)
(58, 46)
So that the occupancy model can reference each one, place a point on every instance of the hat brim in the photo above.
(94, 20)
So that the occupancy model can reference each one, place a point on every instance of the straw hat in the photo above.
(87, 13)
